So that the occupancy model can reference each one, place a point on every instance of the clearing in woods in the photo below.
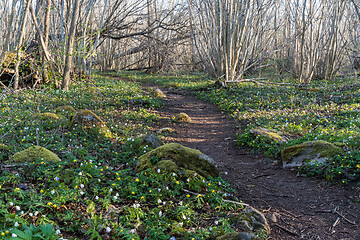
(296, 207)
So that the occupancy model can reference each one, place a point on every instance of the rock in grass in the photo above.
(158, 93)
(270, 134)
(151, 140)
(33, 153)
(250, 220)
(48, 116)
(309, 153)
(176, 158)
(90, 122)
(166, 129)
(238, 236)
(66, 108)
(182, 117)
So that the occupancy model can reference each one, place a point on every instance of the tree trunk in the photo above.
(46, 38)
(20, 42)
(70, 46)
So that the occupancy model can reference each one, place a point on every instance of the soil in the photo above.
(296, 207)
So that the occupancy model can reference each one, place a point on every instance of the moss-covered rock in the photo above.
(152, 141)
(253, 220)
(174, 157)
(33, 153)
(238, 236)
(249, 222)
(270, 134)
(48, 116)
(158, 93)
(166, 130)
(309, 153)
(89, 121)
(182, 117)
(66, 108)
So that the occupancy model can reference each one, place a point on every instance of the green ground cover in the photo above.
(94, 192)
(323, 111)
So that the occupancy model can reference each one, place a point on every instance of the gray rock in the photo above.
(151, 140)
(238, 236)
(311, 152)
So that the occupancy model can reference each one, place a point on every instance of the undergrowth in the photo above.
(94, 192)
(325, 110)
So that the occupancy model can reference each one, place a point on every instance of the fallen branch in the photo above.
(339, 214)
(286, 230)
(229, 201)
(337, 221)
(349, 221)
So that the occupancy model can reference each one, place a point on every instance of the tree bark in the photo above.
(20, 42)
(70, 46)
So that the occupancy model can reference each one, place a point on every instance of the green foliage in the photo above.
(330, 112)
(42, 232)
(94, 190)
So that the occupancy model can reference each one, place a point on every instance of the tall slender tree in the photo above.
(70, 46)
(20, 43)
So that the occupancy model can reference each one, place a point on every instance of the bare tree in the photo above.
(229, 35)
(20, 43)
(70, 46)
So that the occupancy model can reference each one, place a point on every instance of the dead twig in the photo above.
(337, 221)
(287, 230)
(343, 217)
(229, 201)
(243, 204)
(335, 211)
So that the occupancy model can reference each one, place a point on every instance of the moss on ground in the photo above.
(89, 121)
(34, 153)
(48, 116)
(311, 150)
(174, 157)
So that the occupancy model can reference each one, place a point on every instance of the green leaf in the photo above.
(19, 233)
(91, 209)
(47, 230)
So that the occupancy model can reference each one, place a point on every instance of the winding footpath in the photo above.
(296, 207)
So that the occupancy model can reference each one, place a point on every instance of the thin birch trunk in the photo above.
(70, 46)
(19, 45)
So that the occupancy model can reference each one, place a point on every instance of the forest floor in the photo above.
(296, 207)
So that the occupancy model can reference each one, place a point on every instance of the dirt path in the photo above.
(296, 207)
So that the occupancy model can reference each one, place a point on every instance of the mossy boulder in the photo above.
(152, 141)
(249, 222)
(252, 220)
(309, 153)
(182, 117)
(33, 153)
(270, 134)
(238, 236)
(48, 116)
(158, 93)
(89, 121)
(174, 157)
(166, 130)
(66, 108)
